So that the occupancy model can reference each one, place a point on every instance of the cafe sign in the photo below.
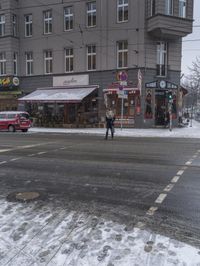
(9, 82)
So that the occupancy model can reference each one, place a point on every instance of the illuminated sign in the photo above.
(9, 82)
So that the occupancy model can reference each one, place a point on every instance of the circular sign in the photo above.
(15, 81)
(162, 84)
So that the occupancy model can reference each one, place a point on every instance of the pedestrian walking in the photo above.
(110, 118)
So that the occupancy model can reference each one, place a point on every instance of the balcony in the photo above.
(168, 26)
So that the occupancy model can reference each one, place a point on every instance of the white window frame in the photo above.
(48, 62)
(47, 16)
(91, 57)
(28, 21)
(15, 63)
(68, 18)
(169, 7)
(162, 48)
(14, 24)
(182, 8)
(69, 60)
(123, 53)
(153, 8)
(91, 13)
(29, 63)
(122, 5)
(2, 63)
(2, 25)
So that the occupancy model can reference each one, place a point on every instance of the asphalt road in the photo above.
(149, 182)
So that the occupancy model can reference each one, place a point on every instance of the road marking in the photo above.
(42, 152)
(180, 172)
(30, 155)
(25, 147)
(3, 162)
(175, 179)
(151, 211)
(4, 150)
(161, 198)
(15, 159)
(63, 148)
(184, 168)
(194, 156)
(188, 163)
(168, 188)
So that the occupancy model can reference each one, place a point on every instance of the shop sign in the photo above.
(122, 76)
(171, 85)
(72, 80)
(162, 84)
(9, 82)
(150, 85)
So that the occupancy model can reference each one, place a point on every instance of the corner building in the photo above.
(67, 60)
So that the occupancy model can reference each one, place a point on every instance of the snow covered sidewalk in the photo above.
(41, 234)
(186, 132)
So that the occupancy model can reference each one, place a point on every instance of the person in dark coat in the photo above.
(110, 118)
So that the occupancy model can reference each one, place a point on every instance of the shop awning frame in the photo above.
(59, 94)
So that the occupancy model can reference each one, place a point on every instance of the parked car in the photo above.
(14, 120)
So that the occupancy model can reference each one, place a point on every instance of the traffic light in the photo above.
(169, 96)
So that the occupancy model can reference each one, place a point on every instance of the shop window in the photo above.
(148, 103)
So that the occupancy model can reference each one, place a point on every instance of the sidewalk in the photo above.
(186, 132)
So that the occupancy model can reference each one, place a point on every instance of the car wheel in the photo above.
(24, 130)
(11, 128)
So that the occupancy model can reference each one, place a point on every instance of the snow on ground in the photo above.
(185, 132)
(42, 233)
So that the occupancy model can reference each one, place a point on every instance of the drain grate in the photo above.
(26, 196)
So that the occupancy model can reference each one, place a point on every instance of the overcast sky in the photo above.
(191, 49)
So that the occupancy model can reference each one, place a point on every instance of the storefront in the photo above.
(160, 101)
(124, 101)
(63, 106)
(9, 93)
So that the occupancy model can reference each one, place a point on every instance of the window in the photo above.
(169, 7)
(14, 25)
(122, 54)
(69, 60)
(91, 57)
(15, 59)
(122, 10)
(68, 18)
(2, 64)
(47, 22)
(161, 59)
(182, 8)
(28, 25)
(48, 62)
(2, 25)
(29, 63)
(91, 14)
(153, 7)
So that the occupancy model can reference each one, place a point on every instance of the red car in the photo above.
(15, 120)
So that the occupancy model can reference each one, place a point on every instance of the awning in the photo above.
(59, 95)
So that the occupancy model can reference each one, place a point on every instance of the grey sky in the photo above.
(191, 49)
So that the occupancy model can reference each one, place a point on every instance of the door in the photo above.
(160, 108)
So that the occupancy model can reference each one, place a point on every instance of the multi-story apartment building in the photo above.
(89, 54)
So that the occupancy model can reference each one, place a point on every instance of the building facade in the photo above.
(129, 49)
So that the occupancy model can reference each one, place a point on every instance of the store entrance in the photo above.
(160, 108)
